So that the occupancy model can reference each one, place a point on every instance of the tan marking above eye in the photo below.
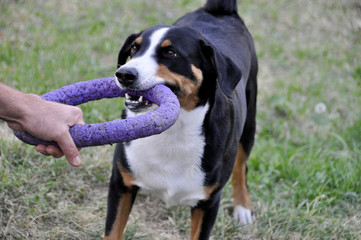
(166, 43)
(188, 98)
(138, 40)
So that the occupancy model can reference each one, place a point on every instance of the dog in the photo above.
(208, 59)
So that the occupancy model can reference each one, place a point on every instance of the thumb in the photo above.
(68, 147)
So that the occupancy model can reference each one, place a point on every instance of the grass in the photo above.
(304, 171)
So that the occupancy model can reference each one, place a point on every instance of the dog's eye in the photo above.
(133, 50)
(170, 53)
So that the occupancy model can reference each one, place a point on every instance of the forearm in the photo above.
(12, 103)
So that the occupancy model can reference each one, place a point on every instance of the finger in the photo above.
(69, 149)
(54, 151)
(42, 149)
(15, 126)
(80, 121)
(45, 154)
(49, 150)
(79, 116)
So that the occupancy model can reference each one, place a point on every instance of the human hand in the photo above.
(57, 153)
(50, 121)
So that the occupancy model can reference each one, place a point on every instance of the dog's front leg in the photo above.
(203, 217)
(120, 202)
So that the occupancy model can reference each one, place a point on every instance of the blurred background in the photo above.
(303, 174)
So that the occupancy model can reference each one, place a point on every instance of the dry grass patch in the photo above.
(303, 173)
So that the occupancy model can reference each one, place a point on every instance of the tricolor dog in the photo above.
(207, 58)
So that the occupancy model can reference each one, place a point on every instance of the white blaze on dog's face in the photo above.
(143, 63)
(162, 55)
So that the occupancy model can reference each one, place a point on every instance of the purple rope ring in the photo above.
(151, 123)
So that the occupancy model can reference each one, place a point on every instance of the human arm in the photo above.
(43, 119)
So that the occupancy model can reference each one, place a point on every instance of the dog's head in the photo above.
(178, 57)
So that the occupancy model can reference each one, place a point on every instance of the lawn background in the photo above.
(304, 172)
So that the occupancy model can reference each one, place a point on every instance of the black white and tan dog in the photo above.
(207, 58)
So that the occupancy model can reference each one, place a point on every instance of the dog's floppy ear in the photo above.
(124, 52)
(228, 74)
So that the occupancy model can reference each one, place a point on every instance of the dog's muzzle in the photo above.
(126, 76)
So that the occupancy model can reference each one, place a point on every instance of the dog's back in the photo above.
(220, 23)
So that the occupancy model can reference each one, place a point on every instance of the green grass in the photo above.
(304, 171)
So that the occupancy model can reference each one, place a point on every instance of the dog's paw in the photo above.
(242, 215)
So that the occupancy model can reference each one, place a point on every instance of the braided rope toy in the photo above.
(151, 123)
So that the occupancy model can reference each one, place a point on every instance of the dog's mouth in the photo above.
(137, 103)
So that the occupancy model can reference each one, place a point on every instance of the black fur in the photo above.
(221, 7)
(215, 40)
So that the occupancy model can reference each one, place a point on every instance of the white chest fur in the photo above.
(169, 164)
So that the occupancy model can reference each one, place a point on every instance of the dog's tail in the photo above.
(221, 7)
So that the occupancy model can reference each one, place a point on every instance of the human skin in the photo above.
(43, 119)
(118, 130)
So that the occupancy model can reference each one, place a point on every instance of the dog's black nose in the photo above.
(126, 76)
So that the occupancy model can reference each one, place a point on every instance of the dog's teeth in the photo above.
(140, 99)
(127, 96)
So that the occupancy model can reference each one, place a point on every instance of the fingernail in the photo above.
(77, 161)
